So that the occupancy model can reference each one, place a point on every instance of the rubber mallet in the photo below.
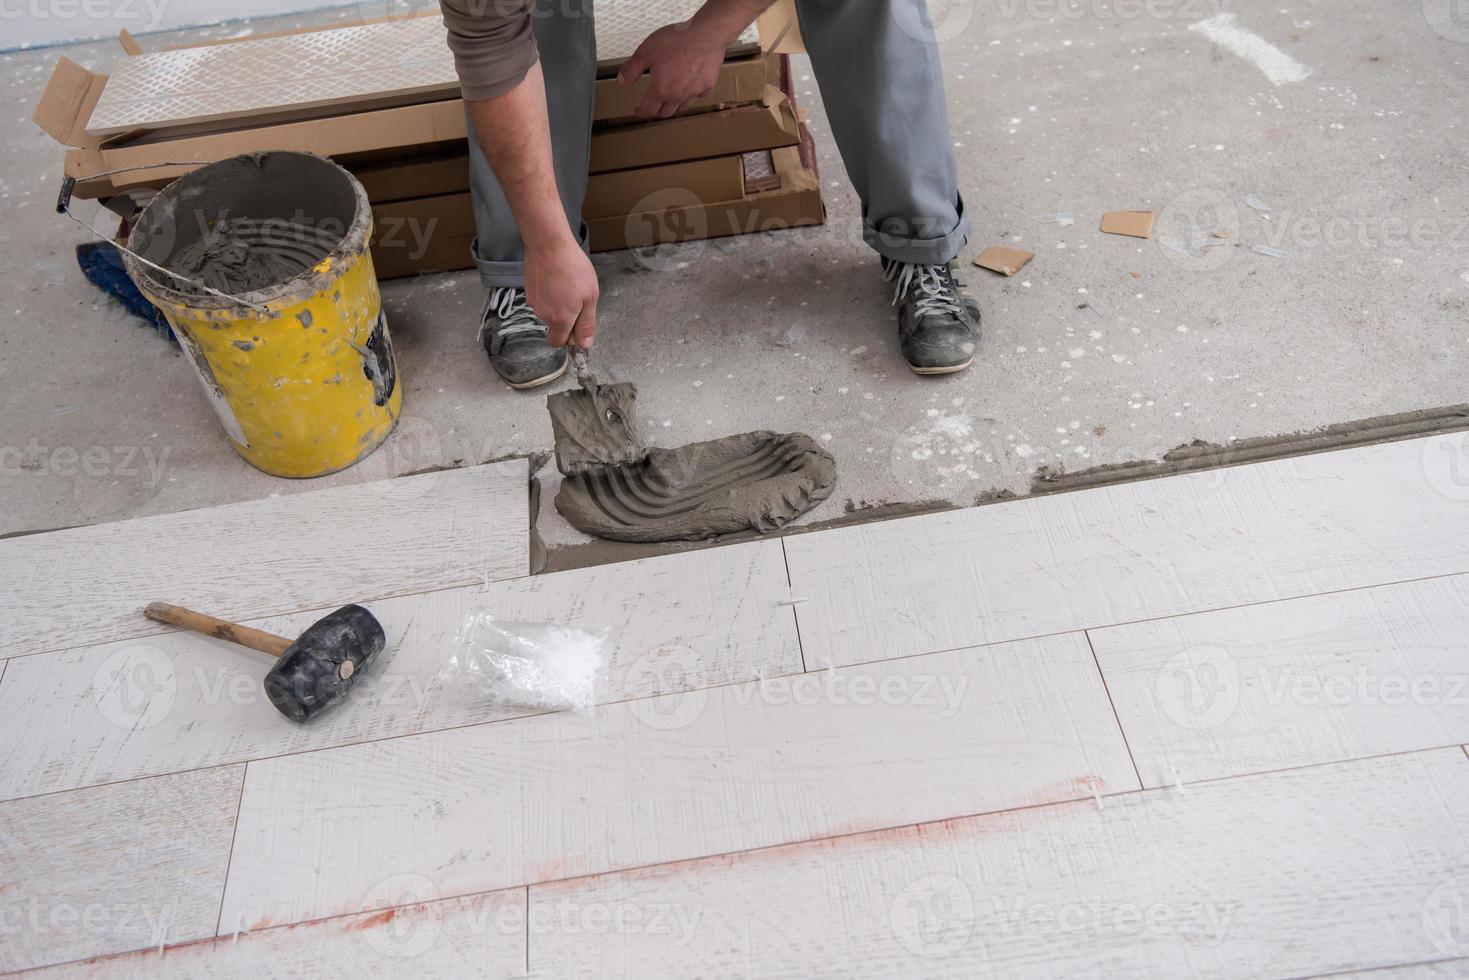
(314, 671)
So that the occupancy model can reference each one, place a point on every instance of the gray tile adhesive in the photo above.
(594, 426)
(754, 480)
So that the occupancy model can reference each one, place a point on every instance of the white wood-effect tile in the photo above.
(1321, 679)
(481, 936)
(114, 868)
(264, 557)
(1339, 867)
(1112, 555)
(676, 777)
(182, 701)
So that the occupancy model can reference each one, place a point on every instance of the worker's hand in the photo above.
(683, 60)
(561, 286)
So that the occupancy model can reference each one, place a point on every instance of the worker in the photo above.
(528, 71)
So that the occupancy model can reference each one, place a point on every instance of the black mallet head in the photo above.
(318, 669)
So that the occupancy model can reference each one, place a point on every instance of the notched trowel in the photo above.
(594, 424)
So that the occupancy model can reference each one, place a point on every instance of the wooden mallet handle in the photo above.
(218, 628)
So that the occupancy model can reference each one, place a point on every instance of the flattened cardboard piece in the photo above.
(1137, 224)
(1003, 259)
(780, 30)
(706, 134)
(128, 43)
(67, 101)
(622, 191)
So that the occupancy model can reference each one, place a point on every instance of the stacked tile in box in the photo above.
(711, 172)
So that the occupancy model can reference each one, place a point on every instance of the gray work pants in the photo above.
(878, 67)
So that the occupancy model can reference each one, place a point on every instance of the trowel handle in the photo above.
(220, 629)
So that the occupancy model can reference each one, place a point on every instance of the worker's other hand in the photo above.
(561, 286)
(683, 60)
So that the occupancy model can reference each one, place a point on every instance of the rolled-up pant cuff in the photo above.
(919, 251)
(511, 272)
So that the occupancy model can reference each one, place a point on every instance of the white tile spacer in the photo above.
(1091, 784)
(1178, 781)
(793, 601)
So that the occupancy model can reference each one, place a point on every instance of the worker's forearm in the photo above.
(515, 135)
(725, 19)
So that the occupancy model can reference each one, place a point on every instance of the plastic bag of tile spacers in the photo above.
(530, 665)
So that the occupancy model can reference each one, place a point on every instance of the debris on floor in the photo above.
(1135, 224)
(1003, 259)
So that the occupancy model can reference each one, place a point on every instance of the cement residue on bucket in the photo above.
(258, 223)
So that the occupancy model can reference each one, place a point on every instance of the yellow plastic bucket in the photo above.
(297, 361)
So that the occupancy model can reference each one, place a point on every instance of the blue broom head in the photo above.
(101, 263)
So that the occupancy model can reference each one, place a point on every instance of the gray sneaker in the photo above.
(938, 326)
(515, 339)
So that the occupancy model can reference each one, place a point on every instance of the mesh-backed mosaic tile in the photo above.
(304, 70)
(220, 81)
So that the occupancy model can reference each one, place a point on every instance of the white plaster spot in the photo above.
(1277, 66)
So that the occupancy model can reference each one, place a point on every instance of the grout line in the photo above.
(1354, 971)
(3, 665)
(252, 617)
(391, 738)
(1086, 798)
(249, 617)
(1024, 808)
(479, 582)
(795, 608)
(1121, 730)
(1278, 599)
(230, 859)
(748, 680)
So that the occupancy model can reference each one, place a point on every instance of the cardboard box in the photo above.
(394, 176)
(796, 203)
(708, 134)
(72, 91)
(741, 80)
(622, 191)
(434, 233)
(430, 234)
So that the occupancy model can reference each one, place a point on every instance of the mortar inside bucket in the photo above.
(293, 350)
(252, 226)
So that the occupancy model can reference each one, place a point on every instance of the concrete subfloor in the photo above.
(1103, 350)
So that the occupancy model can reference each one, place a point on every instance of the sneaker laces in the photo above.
(934, 292)
(509, 305)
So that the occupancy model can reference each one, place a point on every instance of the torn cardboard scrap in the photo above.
(1137, 224)
(1003, 259)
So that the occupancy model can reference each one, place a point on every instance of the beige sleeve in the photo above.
(492, 44)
